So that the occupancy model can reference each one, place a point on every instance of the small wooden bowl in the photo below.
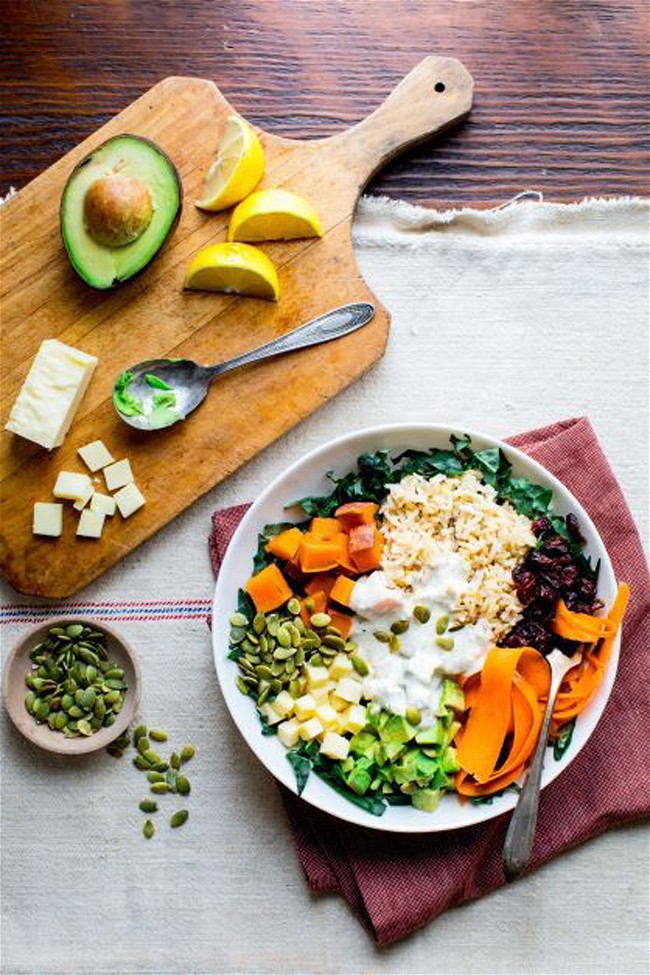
(14, 689)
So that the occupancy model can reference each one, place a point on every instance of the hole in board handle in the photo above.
(439, 87)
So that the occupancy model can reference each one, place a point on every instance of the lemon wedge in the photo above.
(274, 215)
(237, 170)
(233, 268)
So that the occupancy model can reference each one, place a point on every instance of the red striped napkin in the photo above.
(396, 884)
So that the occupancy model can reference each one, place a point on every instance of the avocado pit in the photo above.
(117, 210)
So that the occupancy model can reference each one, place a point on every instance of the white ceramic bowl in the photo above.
(308, 477)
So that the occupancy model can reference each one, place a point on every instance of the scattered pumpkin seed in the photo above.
(187, 752)
(158, 735)
(179, 818)
(360, 665)
(154, 776)
(394, 643)
(183, 785)
(140, 762)
(422, 614)
(382, 636)
(148, 806)
(175, 760)
(238, 619)
(320, 620)
(441, 624)
(294, 606)
(399, 627)
(148, 829)
(445, 642)
(159, 788)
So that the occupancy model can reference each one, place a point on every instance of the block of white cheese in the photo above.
(129, 499)
(48, 519)
(90, 524)
(95, 455)
(51, 393)
(117, 475)
(103, 503)
(72, 486)
(81, 502)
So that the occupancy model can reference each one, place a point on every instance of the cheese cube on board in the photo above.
(103, 503)
(129, 499)
(72, 486)
(91, 524)
(51, 393)
(118, 475)
(335, 746)
(84, 499)
(95, 455)
(48, 519)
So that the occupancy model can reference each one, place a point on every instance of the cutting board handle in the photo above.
(432, 97)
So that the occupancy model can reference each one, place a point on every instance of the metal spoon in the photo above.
(521, 829)
(159, 392)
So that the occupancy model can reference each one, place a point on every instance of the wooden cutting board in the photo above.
(151, 316)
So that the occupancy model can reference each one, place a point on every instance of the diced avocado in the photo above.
(431, 735)
(387, 752)
(359, 779)
(449, 761)
(450, 733)
(451, 697)
(347, 764)
(118, 207)
(426, 799)
(376, 718)
(406, 769)
(426, 768)
(397, 729)
(362, 742)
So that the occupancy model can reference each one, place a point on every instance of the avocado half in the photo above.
(118, 207)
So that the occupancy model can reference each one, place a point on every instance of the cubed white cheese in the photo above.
(335, 746)
(316, 676)
(337, 702)
(311, 729)
(71, 486)
(91, 524)
(84, 499)
(95, 455)
(304, 707)
(48, 519)
(289, 732)
(271, 716)
(283, 704)
(355, 718)
(349, 690)
(327, 715)
(103, 503)
(340, 666)
(51, 393)
(320, 694)
(119, 474)
(129, 500)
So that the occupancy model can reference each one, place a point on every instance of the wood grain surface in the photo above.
(561, 100)
(151, 316)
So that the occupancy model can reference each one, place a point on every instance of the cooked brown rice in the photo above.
(424, 518)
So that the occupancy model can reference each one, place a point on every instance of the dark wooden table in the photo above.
(561, 85)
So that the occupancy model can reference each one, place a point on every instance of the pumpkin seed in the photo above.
(75, 711)
(295, 689)
(154, 776)
(141, 763)
(238, 619)
(264, 644)
(183, 786)
(283, 638)
(399, 627)
(310, 604)
(360, 665)
(179, 818)
(253, 638)
(316, 660)
(158, 735)
(142, 744)
(148, 829)
(294, 606)
(445, 642)
(84, 727)
(187, 752)
(241, 685)
(109, 720)
(276, 686)
(148, 806)
(30, 697)
(422, 614)
(320, 620)
(160, 766)
(394, 644)
(159, 788)
(413, 715)
(382, 636)
(175, 760)
(74, 630)
(441, 624)
(283, 653)
(88, 699)
(328, 651)
(263, 696)
(237, 635)
(259, 623)
(337, 642)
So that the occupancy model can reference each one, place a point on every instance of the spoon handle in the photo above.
(332, 325)
(521, 829)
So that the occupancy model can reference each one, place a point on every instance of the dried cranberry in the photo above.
(526, 587)
(541, 526)
(573, 526)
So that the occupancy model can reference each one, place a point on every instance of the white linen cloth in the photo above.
(503, 320)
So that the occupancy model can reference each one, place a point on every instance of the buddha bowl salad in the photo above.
(394, 640)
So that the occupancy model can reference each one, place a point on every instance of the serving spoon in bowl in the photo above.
(521, 829)
(157, 393)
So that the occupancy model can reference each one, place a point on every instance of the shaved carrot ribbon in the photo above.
(582, 681)
(507, 699)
